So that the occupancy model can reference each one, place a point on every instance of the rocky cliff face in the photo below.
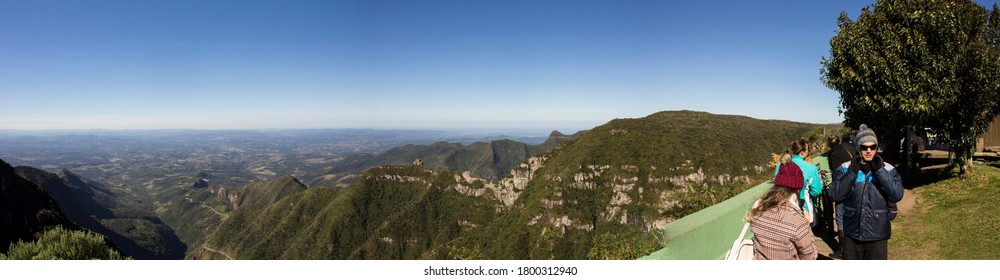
(626, 195)
(506, 190)
(230, 197)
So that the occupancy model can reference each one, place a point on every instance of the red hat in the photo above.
(789, 176)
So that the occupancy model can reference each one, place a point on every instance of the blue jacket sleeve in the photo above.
(843, 183)
(890, 184)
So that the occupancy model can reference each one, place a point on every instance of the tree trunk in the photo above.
(963, 158)
(906, 163)
(965, 165)
(891, 153)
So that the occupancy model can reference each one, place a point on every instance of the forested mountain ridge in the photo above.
(120, 217)
(391, 212)
(196, 211)
(34, 227)
(262, 194)
(597, 197)
(27, 209)
(486, 160)
(600, 196)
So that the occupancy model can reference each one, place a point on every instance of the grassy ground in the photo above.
(953, 219)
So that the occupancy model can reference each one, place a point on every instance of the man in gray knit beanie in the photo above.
(866, 186)
(864, 135)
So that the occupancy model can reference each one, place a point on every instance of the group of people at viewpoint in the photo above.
(863, 186)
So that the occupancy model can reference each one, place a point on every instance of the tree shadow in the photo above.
(927, 176)
(829, 236)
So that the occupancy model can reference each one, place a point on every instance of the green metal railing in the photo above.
(708, 234)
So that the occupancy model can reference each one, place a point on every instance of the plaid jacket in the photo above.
(781, 233)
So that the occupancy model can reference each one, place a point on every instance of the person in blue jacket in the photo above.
(799, 149)
(865, 186)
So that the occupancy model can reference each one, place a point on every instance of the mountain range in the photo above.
(196, 208)
(597, 194)
(600, 196)
(486, 160)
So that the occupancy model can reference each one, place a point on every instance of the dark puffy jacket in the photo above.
(838, 155)
(865, 198)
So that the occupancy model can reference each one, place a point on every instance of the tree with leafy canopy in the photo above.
(926, 63)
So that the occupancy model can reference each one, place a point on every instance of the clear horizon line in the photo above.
(421, 129)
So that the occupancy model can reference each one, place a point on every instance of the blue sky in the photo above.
(461, 64)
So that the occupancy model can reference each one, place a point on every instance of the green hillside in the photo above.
(262, 194)
(600, 196)
(27, 209)
(486, 160)
(676, 150)
(597, 197)
(391, 212)
(195, 211)
(203, 210)
(120, 217)
(34, 227)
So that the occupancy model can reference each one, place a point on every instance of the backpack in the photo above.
(742, 249)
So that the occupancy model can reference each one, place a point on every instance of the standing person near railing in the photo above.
(840, 152)
(866, 186)
(780, 230)
(799, 149)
